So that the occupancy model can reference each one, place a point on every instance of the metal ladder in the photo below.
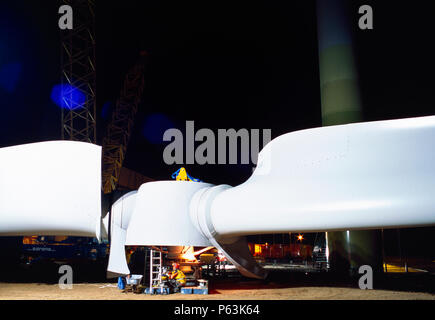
(155, 267)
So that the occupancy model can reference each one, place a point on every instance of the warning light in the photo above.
(300, 237)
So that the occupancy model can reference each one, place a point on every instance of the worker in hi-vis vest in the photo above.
(177, 278)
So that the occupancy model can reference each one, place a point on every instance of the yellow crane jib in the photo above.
(182, 175)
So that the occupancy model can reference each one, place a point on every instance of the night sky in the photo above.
(223, 65)
(220, 63)
(250, 65)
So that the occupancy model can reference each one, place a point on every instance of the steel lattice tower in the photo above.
(78, 61)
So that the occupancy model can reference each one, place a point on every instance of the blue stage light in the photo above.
(68, 97)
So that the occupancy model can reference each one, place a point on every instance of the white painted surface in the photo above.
(161, 215)
(357, 176)
(117, 265)
(50, 188)
(122, 211)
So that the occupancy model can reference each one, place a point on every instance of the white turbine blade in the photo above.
(50, 188)
(117, 265)
(357, 176)
(122, 210)
(121, 214)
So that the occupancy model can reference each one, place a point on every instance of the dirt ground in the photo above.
(280, 285)
(109, 291)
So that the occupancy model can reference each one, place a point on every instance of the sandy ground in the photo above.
(109, 291)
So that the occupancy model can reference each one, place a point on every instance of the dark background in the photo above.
(223, 64)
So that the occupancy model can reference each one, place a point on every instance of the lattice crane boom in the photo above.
(121, 126)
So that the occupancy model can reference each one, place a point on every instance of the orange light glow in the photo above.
(189, 257)
(300, 237)
(30, 240)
